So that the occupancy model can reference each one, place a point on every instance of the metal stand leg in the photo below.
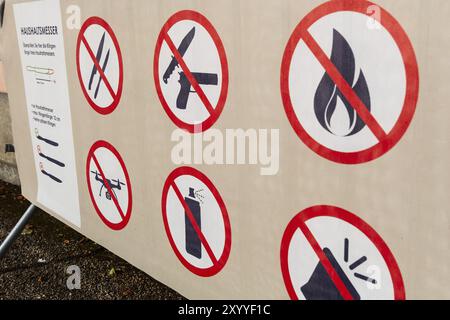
(17, 230)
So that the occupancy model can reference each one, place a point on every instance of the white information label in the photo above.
(41, 44)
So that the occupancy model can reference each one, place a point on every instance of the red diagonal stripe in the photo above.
(325, 262)
(189, 75)
(194, 224)
(105, 182)
(344, 86)
(97, 66)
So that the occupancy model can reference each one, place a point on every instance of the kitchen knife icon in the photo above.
(184, 45)
(97, 57)
(105, 64)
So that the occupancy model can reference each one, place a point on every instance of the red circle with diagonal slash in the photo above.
(164, 37)
(386, 140)
(299, 223)
(219, 263)
(116, 95)
(91, 157)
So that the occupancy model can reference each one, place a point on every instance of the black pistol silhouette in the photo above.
(210, 79)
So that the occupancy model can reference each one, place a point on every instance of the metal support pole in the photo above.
(2, 12)
(17, 230)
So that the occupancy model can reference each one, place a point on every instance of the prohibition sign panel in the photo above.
(196, 221)
(109, 185)
(349, 90)
(330, 253)
(99, 65)
(190, 70)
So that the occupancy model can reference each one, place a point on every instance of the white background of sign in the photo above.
(93, 36)
(112, 169)
(375, 53)
(201, 56)
(212, 225)
(330, 233)
(62, 198)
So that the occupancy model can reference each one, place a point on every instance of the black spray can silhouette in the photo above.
(193, 243)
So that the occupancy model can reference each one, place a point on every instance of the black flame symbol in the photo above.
(327, 94)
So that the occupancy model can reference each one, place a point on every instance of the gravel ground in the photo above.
(35, 266)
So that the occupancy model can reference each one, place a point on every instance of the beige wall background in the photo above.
(8, 169)
(2, 79)
(403, 195)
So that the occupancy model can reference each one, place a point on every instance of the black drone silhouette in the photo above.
(112, 183)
